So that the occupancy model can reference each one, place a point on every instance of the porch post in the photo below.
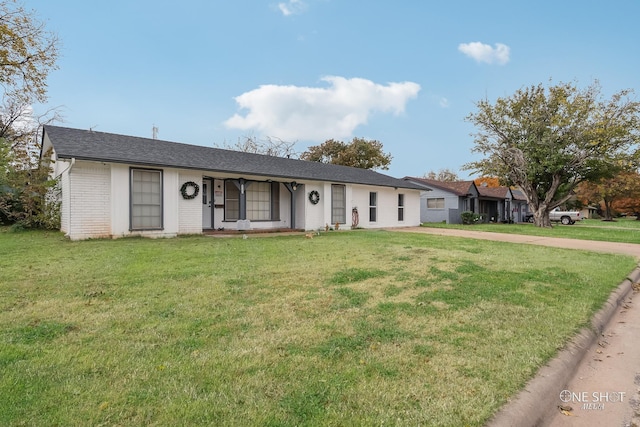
(292, 187)
(243, 199)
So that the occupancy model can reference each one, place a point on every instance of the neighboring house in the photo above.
(442, 201)
(116, 185)
(502, 204)
(589, 211)
(519, 206)
(495, 203)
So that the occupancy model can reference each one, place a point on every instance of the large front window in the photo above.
(259, 197)
(338, 204)
(146, 199)
(262, 200)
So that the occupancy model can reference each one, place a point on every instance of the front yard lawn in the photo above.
(347, 328)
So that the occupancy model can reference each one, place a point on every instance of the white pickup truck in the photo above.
(564, 217)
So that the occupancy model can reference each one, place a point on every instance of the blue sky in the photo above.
(406, 73)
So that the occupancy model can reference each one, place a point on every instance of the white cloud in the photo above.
(291, 7)
(444, 103)
(317, 114)
(484, 53)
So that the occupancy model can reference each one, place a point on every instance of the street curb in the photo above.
(535, 405)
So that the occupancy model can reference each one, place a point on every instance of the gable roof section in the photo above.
(493, 192)
(107, 147)
(518, 195)
(459, 188)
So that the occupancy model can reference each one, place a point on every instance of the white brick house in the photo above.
(116, 185)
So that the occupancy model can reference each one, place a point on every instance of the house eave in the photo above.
(232, 172)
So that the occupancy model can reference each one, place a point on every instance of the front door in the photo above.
(207, 203)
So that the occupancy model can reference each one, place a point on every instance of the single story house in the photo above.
(590, 211)
(117, 185)
(502, 204)
(443, 201)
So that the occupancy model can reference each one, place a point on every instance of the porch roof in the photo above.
(493, 192)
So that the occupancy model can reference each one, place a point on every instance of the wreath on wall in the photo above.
(186, 194)
(314, 197)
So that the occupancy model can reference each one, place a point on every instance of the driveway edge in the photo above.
(535, 404)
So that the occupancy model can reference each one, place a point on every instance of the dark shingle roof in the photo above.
(107, 147)
(459, 188)
(494, 192)
(518, 195)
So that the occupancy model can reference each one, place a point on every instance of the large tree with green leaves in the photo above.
(359, 153)
(547, 140)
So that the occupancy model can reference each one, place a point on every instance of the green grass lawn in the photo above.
(624, 230)
(348, 328)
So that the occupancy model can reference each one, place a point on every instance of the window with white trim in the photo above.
(400, 207)
(146, 199)
(435, 203)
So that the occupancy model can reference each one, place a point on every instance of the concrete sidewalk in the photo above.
(595, 380)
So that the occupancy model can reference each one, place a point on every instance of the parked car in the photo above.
(565, 217)
(557, 215)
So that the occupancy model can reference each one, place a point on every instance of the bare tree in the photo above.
(445, 175)
(270, 146)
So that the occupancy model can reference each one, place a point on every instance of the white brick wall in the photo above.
(386, 206)
(98, 195)
(315, 218)
(189, 210)
(64, 203)
(90, 201)
(358, 196)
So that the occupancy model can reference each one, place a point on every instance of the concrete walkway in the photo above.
(595, 380)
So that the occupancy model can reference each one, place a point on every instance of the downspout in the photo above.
(68, 171)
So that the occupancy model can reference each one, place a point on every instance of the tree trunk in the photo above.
(607, 210)
(541, 218)
(540, 208)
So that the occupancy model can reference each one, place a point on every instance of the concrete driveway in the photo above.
(595, 380)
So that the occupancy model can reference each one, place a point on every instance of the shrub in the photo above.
(469, 217)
